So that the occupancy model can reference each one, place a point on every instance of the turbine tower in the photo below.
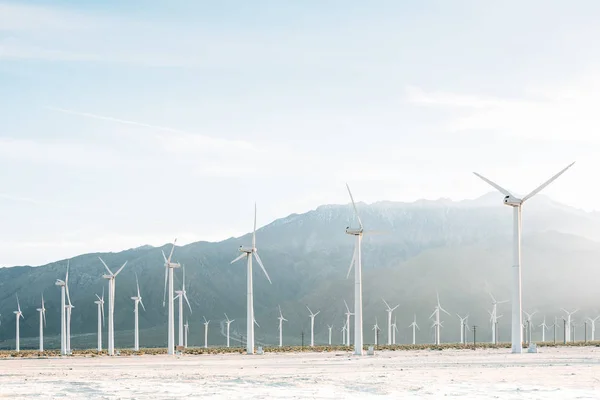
(248, 252)
(376, 330)
(389, 310)
(186, 332)
(69, 308)
(111, 304)
(344, 330)
(206, 332)
(347, 330)
(494, 317)
(63, 309)
(544, 328)
(228, 322)
(529, 324)
(330, 328)
(569, 323)
(517, 204)
(312, 326)
(42, 312)
(169, 266)
(463, 327)
(281, 319)
(357, 263)
(593, 323)
(18, 314)
(437, 324)
(100, 304)
(414, 327)
(137, 301)
(182, 294)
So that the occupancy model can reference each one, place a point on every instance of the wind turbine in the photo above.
(437, 324)
(394, 330)
(312, 326)
(64, 288)
(389, 310)
(414, 326)
(206, 332)
(544, 328)
(42, 312)
(529, 324)
(593, 322)
(463, 327)
(186, 333)
(100, 303)
(517, 204)
(228, 322)
(330, 327)
(281, 319)
(18, 314)
(111, 304)
(376, 329)
(348, 314)
(494, 316)
(169, 266)
(344, 328)
(182, 294)
(248, 252)
(569, 323)
(69, 308)
(137, 300)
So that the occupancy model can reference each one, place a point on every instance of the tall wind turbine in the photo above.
(206, 332)
(100, 304)
(312, 326)
(111, 304)
(569, 323)
(463, 327)
(544, 328)
(169, 266)
(517, 204)
(357, 263)
(42, 312)
(248, 252)
(186, 332)
(494, 317)
(64, 291)
(18, 314)
(137, 301)
(389, 310)
(414, 327)
(330, 328)
(437, 324)
(182, 294)
(529, 324)
(228, 322)
(347, 331)
(376, 329)
(281, 319)
(593, 323)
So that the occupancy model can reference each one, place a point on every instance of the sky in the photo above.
(125, 123)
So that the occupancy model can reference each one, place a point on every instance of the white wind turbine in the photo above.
(206, 332)
(312, 326)
(344, 329)
(69, 308)
(529, 324)
(182, 294)
(494, 317)
(517, 204)
(330, 328)
(593, 323)
(569, 323)
(394, 330)
(228, 322)
(42, 312)
(248, 252)
(347, 331)
(137, 301)
(186, 332)
(376, 330)
(281, 319)
(437, 324)
(389, 310)
(100, 304)
(64, 294)
(544, 328)
(169, 266)
(463, 327)
(111, 304)
(18, 314)
(414, 327)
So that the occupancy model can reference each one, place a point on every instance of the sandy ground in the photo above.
(553, 373)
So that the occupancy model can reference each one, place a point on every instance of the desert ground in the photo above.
(552, 373)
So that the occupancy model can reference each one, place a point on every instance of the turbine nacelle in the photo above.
(246, 249)
(353, 231)
(512, 201)
(60, 283)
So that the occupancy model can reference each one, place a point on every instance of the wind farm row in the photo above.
(351, 334)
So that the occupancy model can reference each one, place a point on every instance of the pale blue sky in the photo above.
(279, 102)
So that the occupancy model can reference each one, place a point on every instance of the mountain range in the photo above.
(460, 249)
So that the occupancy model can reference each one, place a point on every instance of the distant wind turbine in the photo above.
(100, 304)
(312, 326)
(42, 312)
(438, 324)
(376, 329)
(248, 252)
(593, 323)
(64, 292)
(394, 330)
(228, 322)
(137, 301)
(330, 327)
(529, 324)
(18, 314)
(186, 332)
(169, 266)
(347, 331)
(111, 305)
(181, 295)
(517, 204)
(414, 327)
(569, 324)
(463, 327)
(206, 332)
(494, 317)
(544, 328)
(281, 319)
(344, 328)
(389, 310)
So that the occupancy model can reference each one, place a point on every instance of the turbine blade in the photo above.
(102, 312)
(354, 205)
(347, 308)
(444, 310)
(351, 264)
(105, 266)
(309, 310)
(431, 316)
(386, 304)
(172, 250)
(166, 278)
(137, 284)
(164, 256)
(261, 265)
(121, 269)
(187, 301)
(495, 185)
(549, 181)
(142, 303)
(67, 276)
(238, 258)
(317, 313)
